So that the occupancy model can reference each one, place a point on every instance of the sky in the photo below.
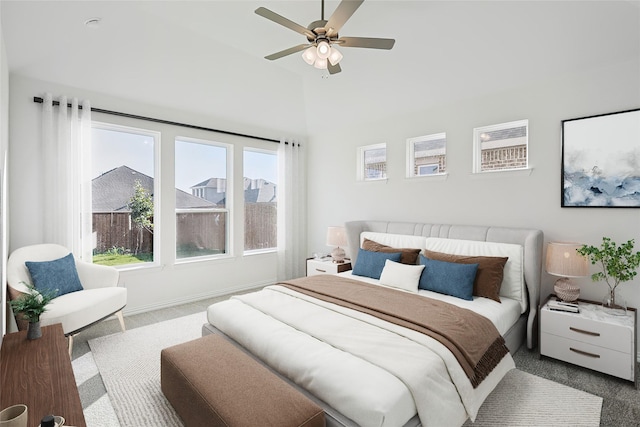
(195, 161)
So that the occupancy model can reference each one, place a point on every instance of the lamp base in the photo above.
(338, 254)
(565, 290)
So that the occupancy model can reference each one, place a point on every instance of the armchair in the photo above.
(99, 299)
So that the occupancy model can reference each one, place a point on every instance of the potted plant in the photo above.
(29, 306)
(619, 264)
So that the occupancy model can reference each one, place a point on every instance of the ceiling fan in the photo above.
(322, 37)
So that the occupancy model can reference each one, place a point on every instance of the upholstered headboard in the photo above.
(530, 239)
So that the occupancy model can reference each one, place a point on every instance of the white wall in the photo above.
(503, 199)
(154, 287)
(4, 142)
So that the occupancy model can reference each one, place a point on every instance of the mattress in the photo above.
(336, 354)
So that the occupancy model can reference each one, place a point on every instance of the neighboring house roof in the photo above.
(112, 191)
(259, 191)
(255, 190)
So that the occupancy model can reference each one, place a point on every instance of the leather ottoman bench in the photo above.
(210, 382)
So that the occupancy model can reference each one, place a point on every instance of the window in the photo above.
(260, 203)
(372, 162)
(203, 197)
(426, 155)
(501, 147)
(124, 194)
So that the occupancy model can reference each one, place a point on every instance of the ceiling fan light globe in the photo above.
(335, 56)
(309, 55)
(323, 49)
(320, 63)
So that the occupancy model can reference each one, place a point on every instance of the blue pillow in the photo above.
(371, 264)
(59, 275)
(448, 278)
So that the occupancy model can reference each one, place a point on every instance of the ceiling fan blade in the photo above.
(342, 13)
(333, 69)
(286, 52)
(278, 19)
(366, 42)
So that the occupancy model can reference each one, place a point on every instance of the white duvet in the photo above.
(374, 372)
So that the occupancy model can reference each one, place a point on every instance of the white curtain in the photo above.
(291, 210)
(66, 149)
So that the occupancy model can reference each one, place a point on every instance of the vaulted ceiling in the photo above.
(208, 56)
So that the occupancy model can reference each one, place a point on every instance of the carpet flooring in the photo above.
(621, 400)
(133, 384)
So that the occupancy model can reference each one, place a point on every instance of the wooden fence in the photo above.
(195, 230)
(115, 230)
(260, 226)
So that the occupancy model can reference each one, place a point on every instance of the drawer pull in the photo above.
(584, 353)
(321, 271)
(582, 331)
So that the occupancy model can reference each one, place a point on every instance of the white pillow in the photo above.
(402, 276)
(513, 285)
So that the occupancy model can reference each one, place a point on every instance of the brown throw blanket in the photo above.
(472, 338)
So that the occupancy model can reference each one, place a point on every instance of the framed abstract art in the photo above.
(601, 161)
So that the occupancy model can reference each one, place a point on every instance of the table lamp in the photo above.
(337, 236)
(563, 260)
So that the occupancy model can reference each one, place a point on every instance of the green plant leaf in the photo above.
(618, 262)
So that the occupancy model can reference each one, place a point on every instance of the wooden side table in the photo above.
(38, 373)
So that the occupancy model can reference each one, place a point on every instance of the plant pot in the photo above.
(14, 416)
(613, 306)
(34, 331)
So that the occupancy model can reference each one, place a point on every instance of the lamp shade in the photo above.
(335, 56)
(320, 63)
(563, 260)
(310, 55)
(336, 236)
(323, 49)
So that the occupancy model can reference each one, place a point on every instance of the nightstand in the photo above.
(325, 266)
(593, 338)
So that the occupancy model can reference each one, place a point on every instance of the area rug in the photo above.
(522, 399)
(129, 364)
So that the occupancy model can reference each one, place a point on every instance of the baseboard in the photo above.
(196, 297)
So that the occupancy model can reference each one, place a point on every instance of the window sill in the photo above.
(435, 177)
(502, 173)
(132, 268)
(260, 252)
(197, 260)
(365, 181)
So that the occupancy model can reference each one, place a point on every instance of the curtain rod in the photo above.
(39, 100)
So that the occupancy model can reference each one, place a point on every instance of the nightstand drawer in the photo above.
(601, 359)
(589, 331)
(326, 266)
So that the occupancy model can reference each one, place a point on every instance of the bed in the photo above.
(367, 370)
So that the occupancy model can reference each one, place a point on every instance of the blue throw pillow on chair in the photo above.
(59, 275)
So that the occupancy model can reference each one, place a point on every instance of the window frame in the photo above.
(478, 140)
(411, 158)
(362, 163)
(157, 199)
(273, 152)
(229, 201)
